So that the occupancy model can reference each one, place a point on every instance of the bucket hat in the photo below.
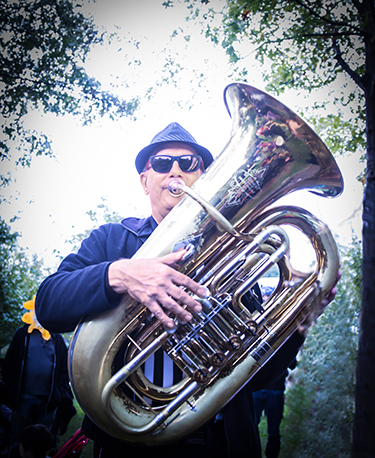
(172, 133)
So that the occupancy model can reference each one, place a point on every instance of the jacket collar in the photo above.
(140, 227)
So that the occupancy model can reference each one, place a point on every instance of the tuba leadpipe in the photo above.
(233, 237)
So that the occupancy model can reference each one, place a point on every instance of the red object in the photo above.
(72, 448)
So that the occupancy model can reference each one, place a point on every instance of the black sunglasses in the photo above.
(187, 163)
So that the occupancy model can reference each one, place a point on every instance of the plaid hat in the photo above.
(172, 133)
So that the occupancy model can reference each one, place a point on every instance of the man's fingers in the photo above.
(173, 258)
(173, 299)
(183, 297)
(180, 279)
(158, 312)
(171, 306)
(159, 286)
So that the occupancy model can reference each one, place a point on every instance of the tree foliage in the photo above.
(320, 399)
(19, 281)
(44, 46)
(301, 45)
(309, 45)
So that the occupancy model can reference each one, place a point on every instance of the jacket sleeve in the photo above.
(278, 363)
(79, 287)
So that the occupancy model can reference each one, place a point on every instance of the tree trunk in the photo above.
(363, 443)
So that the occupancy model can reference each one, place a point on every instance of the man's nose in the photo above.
(175, 170)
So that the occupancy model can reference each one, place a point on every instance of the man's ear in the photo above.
(143, 178)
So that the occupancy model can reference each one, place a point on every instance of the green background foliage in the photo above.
(20, 276)
(301, 46)
(320, 395)
(44, 46)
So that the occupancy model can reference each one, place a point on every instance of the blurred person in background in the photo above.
(35, 374)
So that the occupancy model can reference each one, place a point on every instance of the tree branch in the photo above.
(327, 20)
(331, 34)
(344, 65)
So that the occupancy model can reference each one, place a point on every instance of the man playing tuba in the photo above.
(94, 280)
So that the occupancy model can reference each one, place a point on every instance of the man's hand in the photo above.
(320, 308)
(331, 295)
(156, 284)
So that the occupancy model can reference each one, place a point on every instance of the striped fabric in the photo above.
(161, 370)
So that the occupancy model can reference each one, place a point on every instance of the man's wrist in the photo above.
(116, 276)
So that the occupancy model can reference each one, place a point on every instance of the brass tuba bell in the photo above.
(234, 238)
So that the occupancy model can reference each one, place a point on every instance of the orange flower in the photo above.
(30, 318)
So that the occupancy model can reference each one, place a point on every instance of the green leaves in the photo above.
(20, 277)
(302, 46)
(320, 397)
(44, 46)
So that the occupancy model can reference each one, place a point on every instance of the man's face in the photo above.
(155, 184)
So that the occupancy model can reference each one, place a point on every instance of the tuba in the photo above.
(233, 238)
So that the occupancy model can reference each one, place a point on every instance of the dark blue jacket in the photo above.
(80, 288)
(80, 285)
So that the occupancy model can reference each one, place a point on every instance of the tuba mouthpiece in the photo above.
(176, 187)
